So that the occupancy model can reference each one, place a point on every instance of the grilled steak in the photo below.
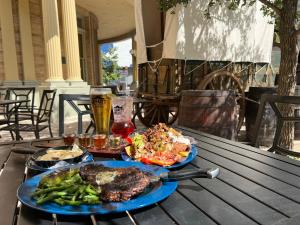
(116, 184)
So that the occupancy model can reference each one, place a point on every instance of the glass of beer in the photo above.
(101, 108)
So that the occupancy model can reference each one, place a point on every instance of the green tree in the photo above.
(110, 66)
(287, 31)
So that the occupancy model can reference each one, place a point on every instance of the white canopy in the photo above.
(140, 36)
(243, 35)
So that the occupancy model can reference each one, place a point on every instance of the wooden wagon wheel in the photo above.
(158, 110)
(224, 80)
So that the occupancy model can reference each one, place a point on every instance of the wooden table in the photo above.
(17, 104)
(254, 187)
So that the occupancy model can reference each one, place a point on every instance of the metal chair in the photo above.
(273, 100)
(72, 100)
(6, 113)
(26, 109)
(4, 94)
(43, 116)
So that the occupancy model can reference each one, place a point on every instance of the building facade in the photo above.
(55, 43)
(43, 41)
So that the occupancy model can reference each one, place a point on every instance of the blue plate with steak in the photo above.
(103, 187)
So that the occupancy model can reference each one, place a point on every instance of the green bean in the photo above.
(47, 190)
(91, 199)
(90, 190)
(50, 196)
(67, 202)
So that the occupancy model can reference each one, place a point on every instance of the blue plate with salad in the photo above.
(162, 146)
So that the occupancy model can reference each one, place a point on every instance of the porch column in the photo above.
(8, 41)
(71, 40)
(26, 40)
(52, 40)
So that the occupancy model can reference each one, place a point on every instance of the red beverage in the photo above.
(122, 128)
(100, 141)
(69, 139)
(84, 140)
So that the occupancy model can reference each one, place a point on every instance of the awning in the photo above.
(243, 35)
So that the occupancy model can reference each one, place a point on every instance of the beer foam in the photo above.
(100, 91)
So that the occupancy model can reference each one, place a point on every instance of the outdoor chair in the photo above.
(273, 100)
(6, 113)
(4, 94)
(26, 109)
(75, 101)
(43, 116)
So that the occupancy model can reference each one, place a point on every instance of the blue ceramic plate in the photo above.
(150, 196)
(188, 159)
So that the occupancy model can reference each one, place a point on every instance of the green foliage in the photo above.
(168, 4)
(110, 66)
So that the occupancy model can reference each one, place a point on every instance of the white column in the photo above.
(71, 40)
(8, 41)
(26, 40)
(52, 40)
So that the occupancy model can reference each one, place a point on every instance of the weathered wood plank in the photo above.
(198, 134)
(264, 180)
(184, 212)
(114, 219)
(28, 216)
(249, 206)
(253, 164)
(10, 179)
(278, 164)
(219, 211)
(152, 215)
(4, 153)
(266, 196)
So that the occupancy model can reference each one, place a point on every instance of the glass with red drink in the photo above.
(100, 141)
(122, 109)
(69, 139)
(84, 140)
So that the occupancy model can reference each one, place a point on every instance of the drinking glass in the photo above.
(101, 108)
(122, 109)
(100, 141)
(115, 141)
(69, 139)
(84, 140)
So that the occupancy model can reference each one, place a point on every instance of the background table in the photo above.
(254, 187)
(16, 104)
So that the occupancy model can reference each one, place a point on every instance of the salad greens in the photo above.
(138, 141)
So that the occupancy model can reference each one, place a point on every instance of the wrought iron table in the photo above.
(254, 187)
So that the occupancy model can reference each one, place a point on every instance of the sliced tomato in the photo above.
(146, 160)
(159, 162)
(129, 140)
